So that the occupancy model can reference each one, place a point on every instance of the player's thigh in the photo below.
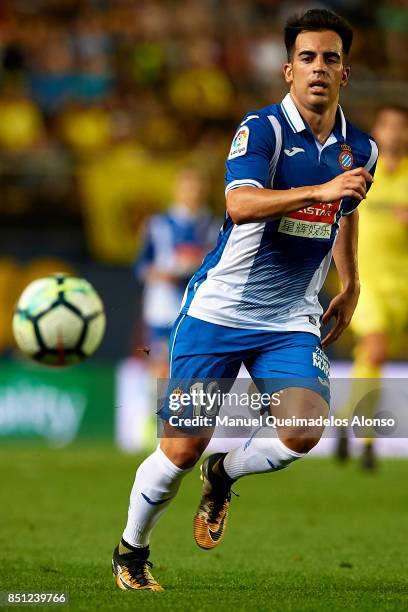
(300, 415)
(294, 370)
(291, 359)
(201, 364)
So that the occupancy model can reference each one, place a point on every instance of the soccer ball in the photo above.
(59, 320)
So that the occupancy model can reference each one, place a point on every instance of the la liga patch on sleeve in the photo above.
(239, 145)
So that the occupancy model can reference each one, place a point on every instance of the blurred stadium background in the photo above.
(101, 101)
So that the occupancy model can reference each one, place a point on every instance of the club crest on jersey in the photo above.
(240, 143)
(346, 157)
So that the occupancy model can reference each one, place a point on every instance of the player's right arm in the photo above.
(250, 204)
(249, 198)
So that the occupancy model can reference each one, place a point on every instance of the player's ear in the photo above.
(288, 72)
(345, 76)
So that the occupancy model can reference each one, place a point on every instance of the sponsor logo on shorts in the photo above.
(240, 143)
(178, 392)
(321, 361)
(324, 382)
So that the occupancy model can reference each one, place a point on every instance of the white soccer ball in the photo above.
(59, 320)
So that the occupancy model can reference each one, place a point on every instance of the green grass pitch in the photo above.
(316, 536)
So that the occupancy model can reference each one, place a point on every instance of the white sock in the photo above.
(259, 455)
(156, 483)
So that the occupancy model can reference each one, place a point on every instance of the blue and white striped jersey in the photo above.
(174, 242)
(267, 275)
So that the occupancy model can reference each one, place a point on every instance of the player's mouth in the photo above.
(318, 86)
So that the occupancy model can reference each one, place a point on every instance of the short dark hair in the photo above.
(317, 20)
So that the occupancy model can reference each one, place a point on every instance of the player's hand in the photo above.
(341, 308)
(351, 184)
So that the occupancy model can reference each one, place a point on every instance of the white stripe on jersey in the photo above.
(373, 156)
(222, 290)
(242, 183)
(277, 128)
(249, 119)
(313, 289)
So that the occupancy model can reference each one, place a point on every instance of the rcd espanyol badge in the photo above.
(346, 157)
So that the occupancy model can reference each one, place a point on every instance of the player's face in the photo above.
(191, 189)
(317, 71)
(391, 131)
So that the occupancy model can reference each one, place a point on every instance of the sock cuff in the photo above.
(163, 458)
(288, 450)
(142, 551)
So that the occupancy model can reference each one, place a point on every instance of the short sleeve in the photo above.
(251, 151)
(350, 204)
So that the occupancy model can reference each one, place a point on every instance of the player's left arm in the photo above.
(342, 306)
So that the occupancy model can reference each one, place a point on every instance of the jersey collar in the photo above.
(295, 120)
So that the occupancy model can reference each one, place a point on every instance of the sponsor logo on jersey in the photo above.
(346, 157)
(311, 222)
(293, 151)
(240, 143)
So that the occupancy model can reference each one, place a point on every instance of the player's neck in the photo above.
(321, 122)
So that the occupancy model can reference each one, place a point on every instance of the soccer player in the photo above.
(296, 173)
(382, 312)
(174, 245)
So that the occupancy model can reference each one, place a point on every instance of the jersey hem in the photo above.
(295, 326)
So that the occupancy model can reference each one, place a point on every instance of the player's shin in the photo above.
(259, 455)
(156, 483)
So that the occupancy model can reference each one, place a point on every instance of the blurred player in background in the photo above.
(381, 316)
(294, 170)
(175, 243)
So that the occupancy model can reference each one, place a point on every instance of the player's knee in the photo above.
(301, 444)
(183, 452)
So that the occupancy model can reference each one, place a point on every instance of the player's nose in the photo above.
(319, 64)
